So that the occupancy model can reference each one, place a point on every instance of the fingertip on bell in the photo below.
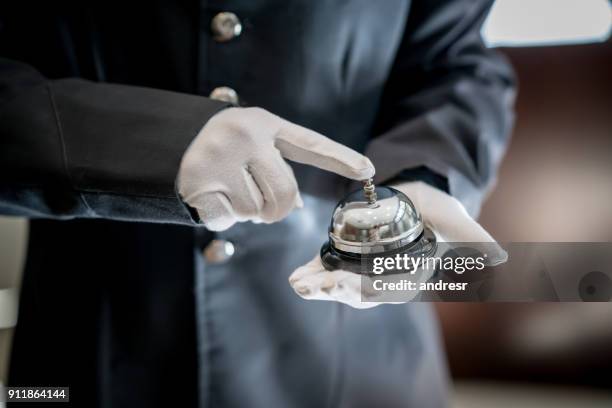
(365, 170)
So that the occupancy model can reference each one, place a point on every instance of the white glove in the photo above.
(443, 214)
(234, 169)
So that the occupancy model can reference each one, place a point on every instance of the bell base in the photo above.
(335, 259)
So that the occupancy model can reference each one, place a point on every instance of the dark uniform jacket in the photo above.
(98, 102)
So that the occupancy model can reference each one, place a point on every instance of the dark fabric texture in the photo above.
(98, 102)
(113, 318)
(75, 148)
(423, 174)
(448, 101)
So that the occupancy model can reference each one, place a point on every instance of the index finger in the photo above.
(305, 146)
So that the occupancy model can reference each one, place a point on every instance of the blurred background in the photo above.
(554, 185)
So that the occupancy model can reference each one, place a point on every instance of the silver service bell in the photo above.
(374, 222)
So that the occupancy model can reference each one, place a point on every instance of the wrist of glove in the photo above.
(442, 213)
(235, 169)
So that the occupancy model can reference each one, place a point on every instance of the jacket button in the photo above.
(218, 251)
(225, 26)
(225, 94)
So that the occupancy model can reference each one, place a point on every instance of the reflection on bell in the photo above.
(374, 222)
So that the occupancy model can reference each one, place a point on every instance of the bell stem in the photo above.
(369, 190)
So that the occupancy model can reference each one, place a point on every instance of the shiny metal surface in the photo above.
(219, 251)
(225, 26)
(369, 191)
(360, 226)
(225, 94)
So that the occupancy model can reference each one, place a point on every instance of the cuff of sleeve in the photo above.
(423, 174)
(413, 167)
(131, 175)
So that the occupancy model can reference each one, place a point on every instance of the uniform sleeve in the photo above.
(73, 148)
(448, 103)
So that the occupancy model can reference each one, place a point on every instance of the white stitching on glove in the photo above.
(442, 213)
(235, 170)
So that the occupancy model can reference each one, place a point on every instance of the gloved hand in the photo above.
(442, 213)
(234, 169)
